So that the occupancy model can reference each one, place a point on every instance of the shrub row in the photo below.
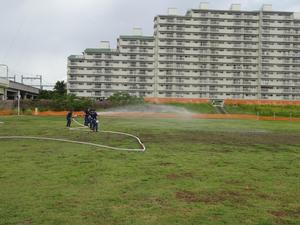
(71, 102)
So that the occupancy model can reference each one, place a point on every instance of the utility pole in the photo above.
(37, 77)
(40, 78)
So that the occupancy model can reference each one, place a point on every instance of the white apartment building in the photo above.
(206, 53)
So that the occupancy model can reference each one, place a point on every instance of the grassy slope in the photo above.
(265, 110)
(193, 172)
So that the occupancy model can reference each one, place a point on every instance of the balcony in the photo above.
(248, 31)
(133, 43)
(237, 45)
(237, 23)
(214, 23)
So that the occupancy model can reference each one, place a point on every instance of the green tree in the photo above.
(60, 88)
(124, 98)
(45, 94)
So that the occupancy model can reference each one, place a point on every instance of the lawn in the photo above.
(209, 172)
(265, 110)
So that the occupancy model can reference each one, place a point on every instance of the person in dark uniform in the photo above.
(86, 118)
(90, 119)
(94, 121)
(69, 118)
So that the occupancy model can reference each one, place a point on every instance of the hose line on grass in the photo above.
(142, 149)
(113, 132)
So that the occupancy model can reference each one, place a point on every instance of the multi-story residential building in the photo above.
(100, 72)
(215, 54)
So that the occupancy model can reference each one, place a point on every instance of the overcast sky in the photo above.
(37, 36)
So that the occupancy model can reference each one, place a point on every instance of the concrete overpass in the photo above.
(9, 90)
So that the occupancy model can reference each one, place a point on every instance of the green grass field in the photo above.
(265, 110)
(210, 172)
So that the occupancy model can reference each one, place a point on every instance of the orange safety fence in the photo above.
(57, 113)
(44, 113)
(6, 112)
(226, 101)
(259, 102)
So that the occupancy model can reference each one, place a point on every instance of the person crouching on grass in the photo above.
(69, 118)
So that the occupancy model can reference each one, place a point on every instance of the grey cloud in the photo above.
(37, 36)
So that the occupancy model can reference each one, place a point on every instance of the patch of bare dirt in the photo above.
(279, 213)
(222, 196)
(28, 221)
(187, 196)
(166, 164)
(232, 181)
(174, 176)
(158, 201)
(88, 214)
(285, 213)
(211, 198)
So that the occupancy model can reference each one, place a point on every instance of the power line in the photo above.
(25, 77)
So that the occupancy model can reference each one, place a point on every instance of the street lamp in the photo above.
(6, 70)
